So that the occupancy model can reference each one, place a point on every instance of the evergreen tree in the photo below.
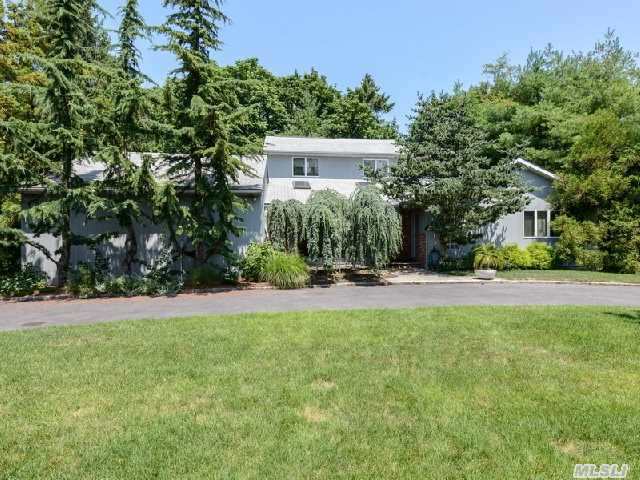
(210, 125)
(128, 189)
(444, 170)
(45, 149)
(369, 93)
(353, 118)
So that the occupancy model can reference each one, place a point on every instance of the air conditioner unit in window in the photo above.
(301, 185)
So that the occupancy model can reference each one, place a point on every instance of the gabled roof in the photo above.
(330, 146)
(532, 167)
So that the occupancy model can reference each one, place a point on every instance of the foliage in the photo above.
(285, 224)
(326, 227)
(254, 262)
(375, 231)
(205, 276)
(9, 220)
(162, 278)
(578, 243)
(512, 257)
(541, 255)
(286, 271)
(64, 125)
(209, 124)
(445, 170)
(486, 256)
(577, 114)
(25, 281)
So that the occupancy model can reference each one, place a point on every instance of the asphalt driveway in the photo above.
(74, 312)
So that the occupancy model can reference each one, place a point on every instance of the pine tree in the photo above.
(444, 169)
(208, 126)
(46, 148)
(369, 93)
(132, 28)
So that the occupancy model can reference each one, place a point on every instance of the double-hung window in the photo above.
(537, 223)
(305, 167)
(375, 164)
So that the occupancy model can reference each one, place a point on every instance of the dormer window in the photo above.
(305, 167)
(375, 165)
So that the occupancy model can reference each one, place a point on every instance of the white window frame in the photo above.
(535, 224)
(306, 166)
(376, 162)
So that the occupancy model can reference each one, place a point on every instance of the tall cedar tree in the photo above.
(444, 170)
(45, 149)
(128, 189)
(207, 118)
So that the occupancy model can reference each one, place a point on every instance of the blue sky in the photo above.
(409, 46)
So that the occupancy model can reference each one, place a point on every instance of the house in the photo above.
(293, 168)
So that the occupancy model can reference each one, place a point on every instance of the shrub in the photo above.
(125, 285)
(205, 276)
(512, 257)
(579, 243)
(162, 278)
(541, 255)
(82, 281)
(254, 261)
(24, 282)
(486, 256)
(286, 271)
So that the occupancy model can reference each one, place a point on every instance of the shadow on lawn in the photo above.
(631, 317)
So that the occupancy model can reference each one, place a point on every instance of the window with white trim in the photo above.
(375, 164)
(537, 224)
(305, 167)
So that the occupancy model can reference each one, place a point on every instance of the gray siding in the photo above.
(151, 240)
(344, 168)
(510, 229)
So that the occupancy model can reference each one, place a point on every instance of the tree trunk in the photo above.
(65, 227)
(131, 249)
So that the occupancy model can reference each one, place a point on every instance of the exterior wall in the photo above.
(253, 224)
(336, 167)
(151, 240)
(510, 229)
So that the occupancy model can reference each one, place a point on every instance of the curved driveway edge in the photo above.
(76, 312)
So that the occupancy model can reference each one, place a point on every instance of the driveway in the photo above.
(75, 312)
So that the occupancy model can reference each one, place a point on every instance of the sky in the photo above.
(409, 46)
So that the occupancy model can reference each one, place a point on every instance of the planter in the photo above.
(485, 274)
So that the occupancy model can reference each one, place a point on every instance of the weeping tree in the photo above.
(326, 227)
(375, 233)
(285, 224)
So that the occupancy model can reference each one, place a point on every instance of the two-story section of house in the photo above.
(298, 166)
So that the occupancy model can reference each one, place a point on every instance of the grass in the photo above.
(478, 392)
(570, 276)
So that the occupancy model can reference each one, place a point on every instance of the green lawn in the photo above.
(569, 276)
(435, 393)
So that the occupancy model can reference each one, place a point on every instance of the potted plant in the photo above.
(486, 260)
